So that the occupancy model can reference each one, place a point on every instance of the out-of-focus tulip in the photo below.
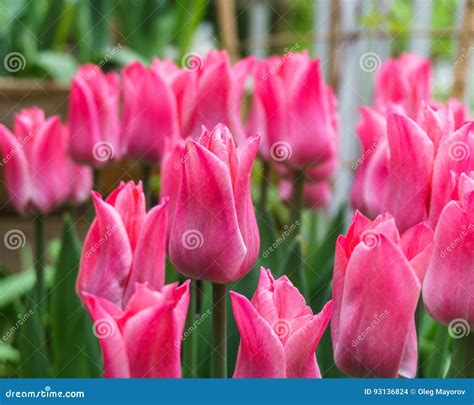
(455, 156)
(38, 172)
(295, 112)
(214, 235)
(396, 168)
(209, 91)
(142, 339)
(150, 114)
(448, 288)
(315, 195)
(278, 331)
(94, 124)
(138, 321)
(405, 81)
(376, 286)
(125, 245)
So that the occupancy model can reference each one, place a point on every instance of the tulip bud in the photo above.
(376, 286)
(278, 331)
(94, 137)
(38, 171)
(214, 235)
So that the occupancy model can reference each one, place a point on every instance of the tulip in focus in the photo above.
(448, 289)
(150, 113)
(295, 112)
(138, 320)
(278, 331)
(94, 137)
(214, 235)
(38, 171)
(376, 287)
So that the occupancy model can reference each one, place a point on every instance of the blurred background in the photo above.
(42, 43)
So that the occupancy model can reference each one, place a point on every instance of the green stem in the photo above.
(146, 180)
(462, 364)
(262, 204)
(219, 331)
(40, 256)
(190, 348)
(297, 198)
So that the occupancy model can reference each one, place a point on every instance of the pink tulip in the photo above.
(208, 92)
(448, 289)
(94, 124)
(295, 112)
(150, 114)
(395, 168)
(455, 156)
(137, 319)
(38, 172)
(214, 235)
(142, 338)
(405, 81)
(125, 245)
(376, 286)
(278, 331)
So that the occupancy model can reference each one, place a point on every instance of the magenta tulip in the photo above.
(295, 112)
(214, 235)
(278, 331)
(405, 81)
(142, 338)
(376, 286)
(209, 91)
(38, 172)
(138, 320)
(150, 113)
(94, 136)
(125, 245)
(448, 289)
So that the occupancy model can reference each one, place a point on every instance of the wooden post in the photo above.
(465, 52)
(334, 28)
(228, 32)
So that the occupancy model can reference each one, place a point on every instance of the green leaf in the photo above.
(57, 65)
(75, 349)
(15, 286)
(9, 353)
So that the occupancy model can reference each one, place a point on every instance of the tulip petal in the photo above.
(261, 353)
(301, 346)
(416, 243)
(16, 172)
